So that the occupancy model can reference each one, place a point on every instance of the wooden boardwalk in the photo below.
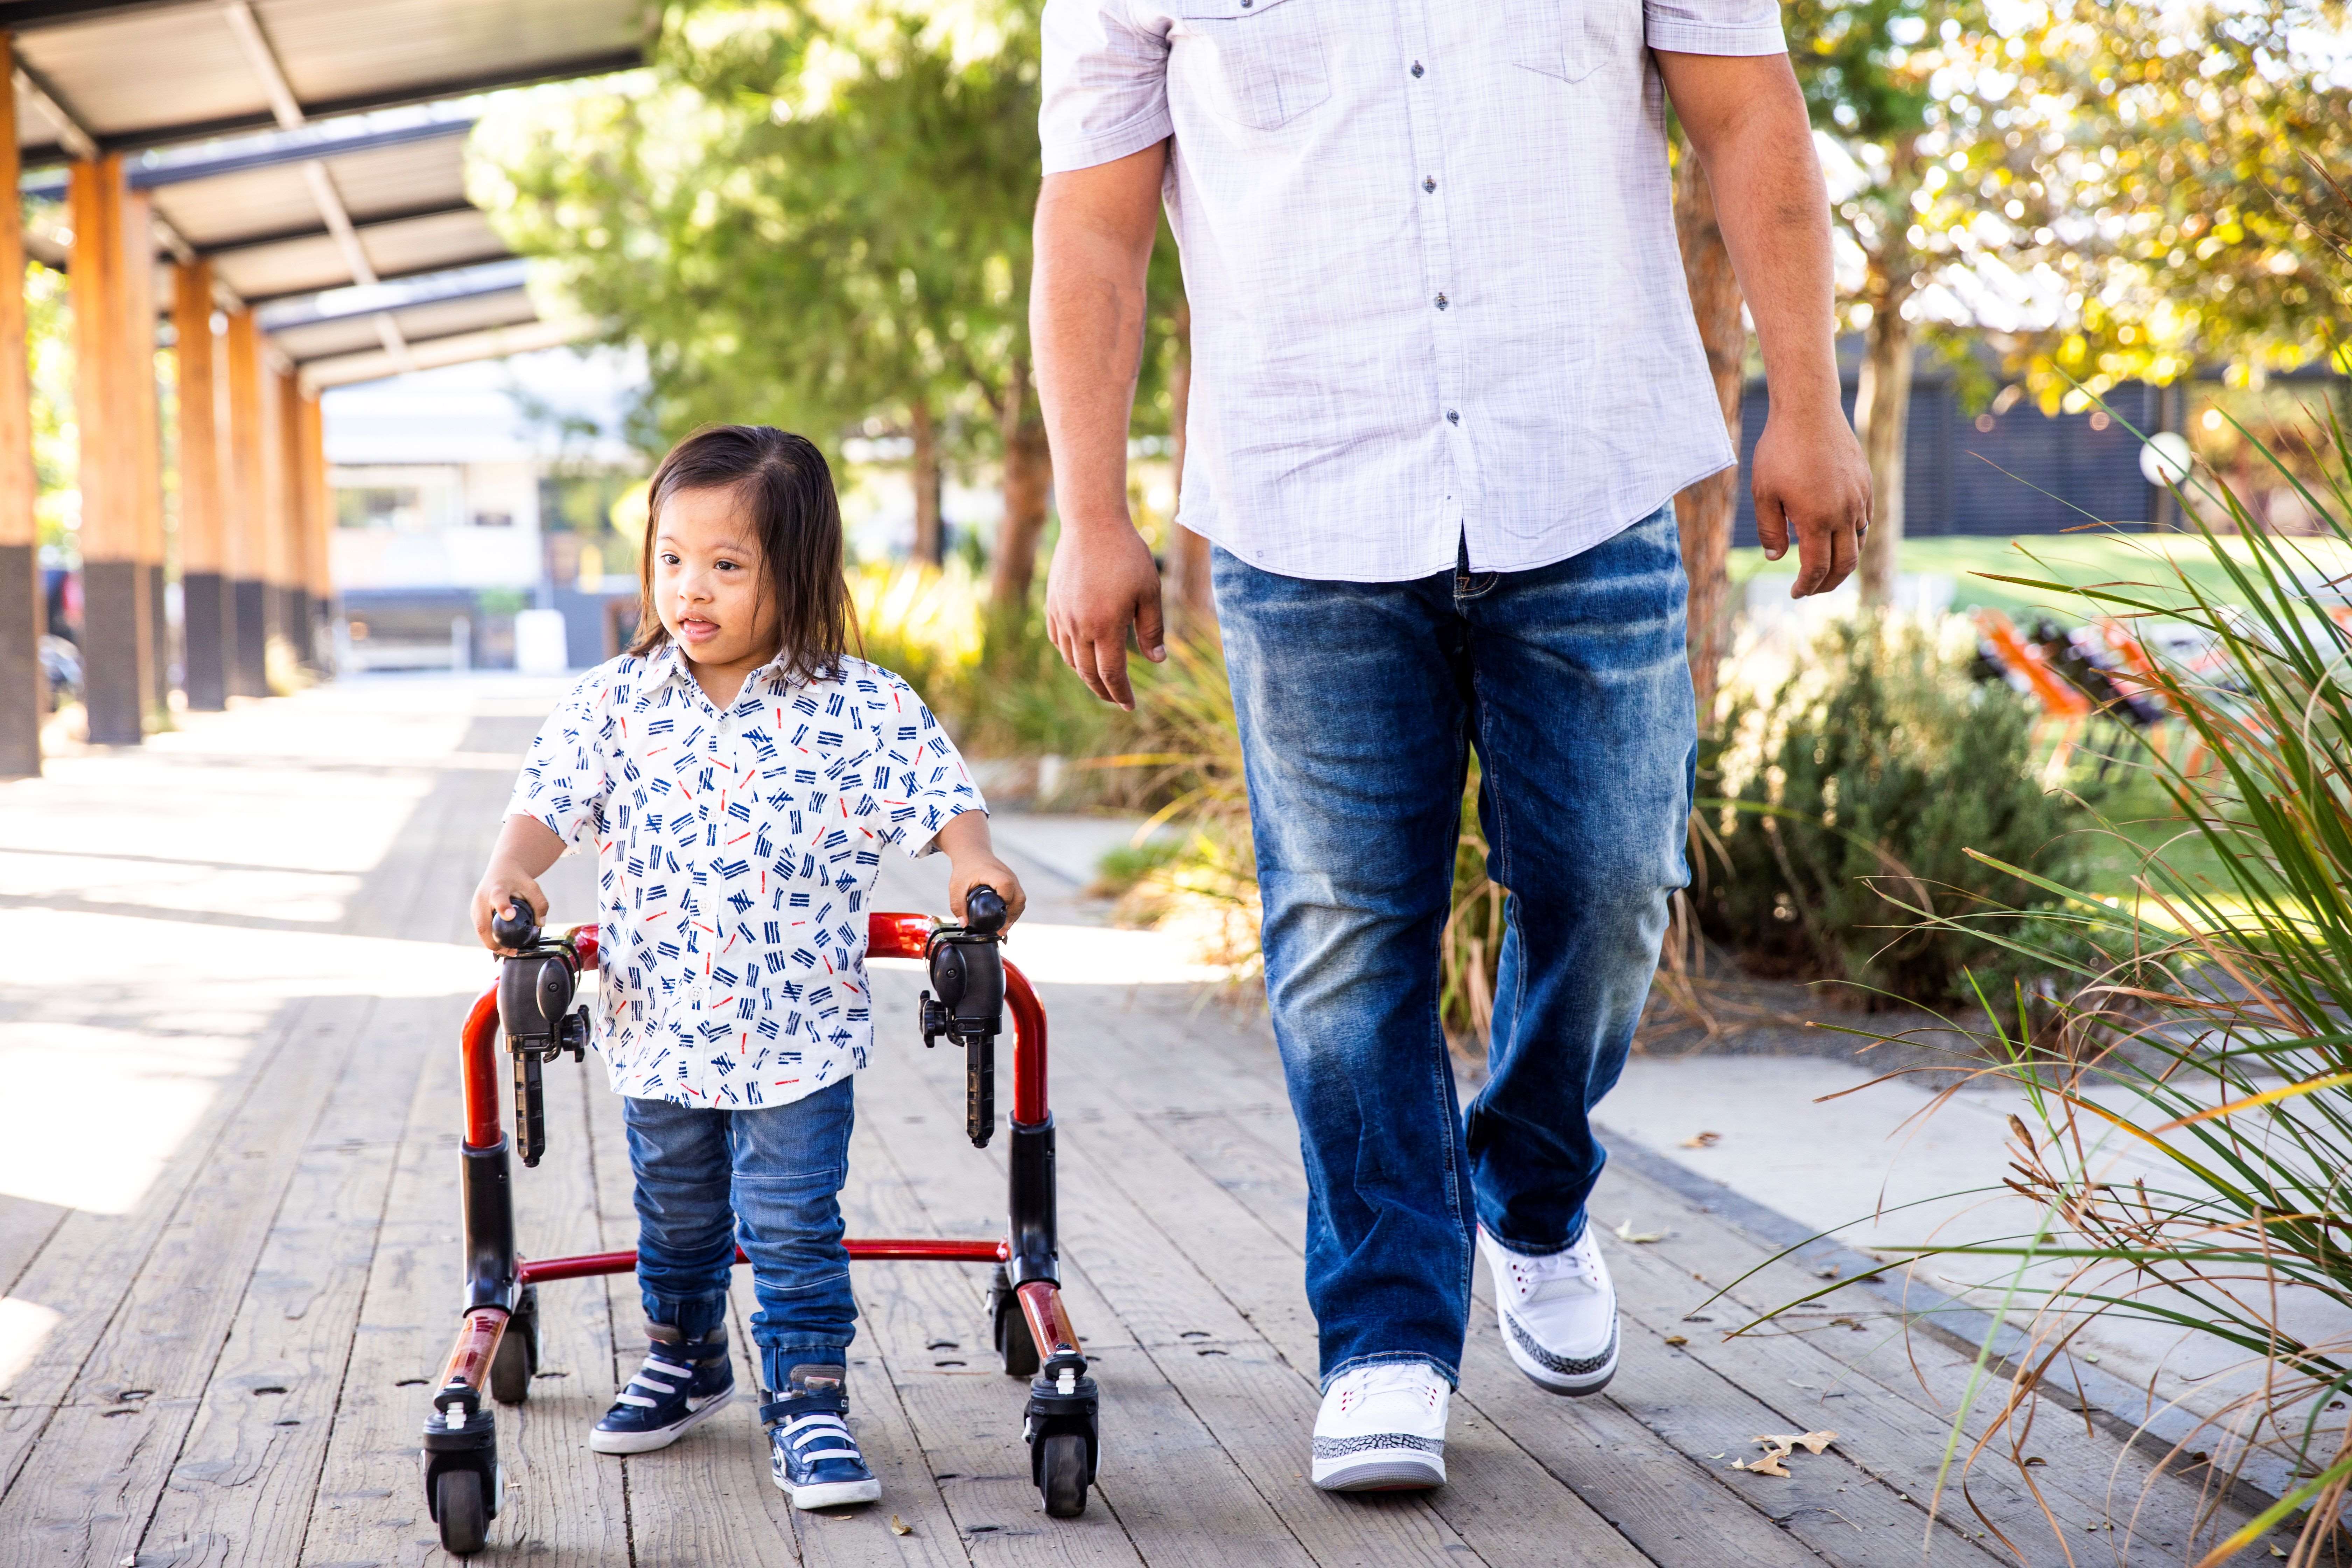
(238, 964)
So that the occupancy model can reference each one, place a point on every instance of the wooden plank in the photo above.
(86, 1490)
(966, 1418)
(1675, 1512)
(1199, 1343)
(700, 1500)
(240, 1487)
(1279, 1310)
(2088, 1473)
(563, 1498)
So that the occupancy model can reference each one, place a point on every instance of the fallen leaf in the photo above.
(1845, 1323)
(1677, 1339)
(1769, 1465)
(1829, 1272)
(2033, 1459)
(1626, 1232)
(1702, 1139)
(900, 1527)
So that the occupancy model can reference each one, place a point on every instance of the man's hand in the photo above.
(1811, 484)
(1102, 582)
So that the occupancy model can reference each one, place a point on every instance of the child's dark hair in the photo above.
(786, 487)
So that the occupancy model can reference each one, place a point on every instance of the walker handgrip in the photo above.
(983, 911)
(514, 929)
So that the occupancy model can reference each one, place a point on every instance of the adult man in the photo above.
(1446, 383)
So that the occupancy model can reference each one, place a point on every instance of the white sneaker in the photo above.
(1383, 1429)
(1559, 1313)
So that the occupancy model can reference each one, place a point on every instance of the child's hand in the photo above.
(984, 871)
(503, 887)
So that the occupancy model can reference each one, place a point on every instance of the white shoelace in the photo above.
(1387, 1377)
(1574, 1272)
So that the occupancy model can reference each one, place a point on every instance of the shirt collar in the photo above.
(668, 663)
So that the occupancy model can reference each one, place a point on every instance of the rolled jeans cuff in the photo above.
(692, 1316)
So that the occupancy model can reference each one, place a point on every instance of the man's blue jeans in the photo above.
(772, 1177)
(1358, 704)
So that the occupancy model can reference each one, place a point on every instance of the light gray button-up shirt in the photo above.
(1430, 249)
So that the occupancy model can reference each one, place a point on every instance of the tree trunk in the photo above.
(1881, 409)
(1028, 480)
(930, 534)
(1193, 605)
(1703, 512)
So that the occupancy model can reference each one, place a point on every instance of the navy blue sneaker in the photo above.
(814, 1457)
(683, 1383)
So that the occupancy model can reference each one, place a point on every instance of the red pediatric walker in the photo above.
(496, 1348)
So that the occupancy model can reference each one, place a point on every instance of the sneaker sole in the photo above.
(1575, 1379)
(661, 1436)
(1381, 1470)
(831, 1494)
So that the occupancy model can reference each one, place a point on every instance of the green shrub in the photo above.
(1869, 771)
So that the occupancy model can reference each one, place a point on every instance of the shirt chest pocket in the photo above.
(1571, 39)
(1259, 63)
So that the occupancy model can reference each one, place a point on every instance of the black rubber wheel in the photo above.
(1010, 1330)
(1064, 1469)
(518, 1358)
(464, 1513)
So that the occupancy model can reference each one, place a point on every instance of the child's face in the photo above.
(710, 580)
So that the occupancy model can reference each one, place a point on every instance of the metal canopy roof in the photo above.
(145, 73)
(308, 149)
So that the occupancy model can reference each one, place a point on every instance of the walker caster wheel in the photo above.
(463, 1511)
(1061, 1475)
(518, 1358)
(1009, 1328)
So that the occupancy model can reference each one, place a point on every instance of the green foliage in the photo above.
(2201, 1023)
(1877, 764)
(808, 216)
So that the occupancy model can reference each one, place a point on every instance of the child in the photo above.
(739, 774)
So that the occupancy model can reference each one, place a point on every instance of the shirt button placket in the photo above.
(1425, 127)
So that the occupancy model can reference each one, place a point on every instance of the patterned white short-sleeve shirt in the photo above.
(735, 853)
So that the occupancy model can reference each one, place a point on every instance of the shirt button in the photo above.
(1429, 182)
(1417, 65)
(1441, 301)
(1453, 416)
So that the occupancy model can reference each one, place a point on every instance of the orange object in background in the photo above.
(2060, 697)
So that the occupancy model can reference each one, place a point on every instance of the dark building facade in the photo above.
(2028, 473)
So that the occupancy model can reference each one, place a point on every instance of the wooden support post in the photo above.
(144, 433)
(295, 518)
(115, 629)
(319, 511)
(278, 566)
(244, 557)
(209, 621)
(23, 695)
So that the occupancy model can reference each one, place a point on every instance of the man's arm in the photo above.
(1095, 229)
(1746, 117)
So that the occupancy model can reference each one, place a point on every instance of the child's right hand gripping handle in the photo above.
(514, 928)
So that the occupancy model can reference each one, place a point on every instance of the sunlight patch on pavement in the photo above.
(119, 1104)
(25, 1328)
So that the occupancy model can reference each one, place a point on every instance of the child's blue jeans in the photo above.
(771, 1177)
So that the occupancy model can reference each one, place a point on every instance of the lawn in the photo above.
(2080, 560)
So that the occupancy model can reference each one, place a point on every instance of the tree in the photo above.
(2166, 164)
(817, 217)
